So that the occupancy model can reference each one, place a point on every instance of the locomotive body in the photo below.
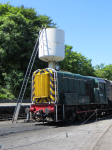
(58, 96)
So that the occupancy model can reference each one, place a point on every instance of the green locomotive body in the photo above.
(74, 89)
(60, 96)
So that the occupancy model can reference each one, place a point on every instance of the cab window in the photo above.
(101, 87)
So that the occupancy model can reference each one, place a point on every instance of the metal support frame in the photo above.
(26, 78)
(31, 88)
(46, 41)
(63, 112)
(55, 86)
(56, 113)
(17, 110)
(28, 117)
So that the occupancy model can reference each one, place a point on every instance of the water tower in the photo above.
(51, 46)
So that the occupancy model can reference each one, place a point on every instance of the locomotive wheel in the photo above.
(69, 120)
(70, 117)
(82, 116)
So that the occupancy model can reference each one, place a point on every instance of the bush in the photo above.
(5, 94)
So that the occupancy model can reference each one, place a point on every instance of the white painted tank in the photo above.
(51, 45)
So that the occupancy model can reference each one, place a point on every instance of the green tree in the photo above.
(19, 28)
(76, 63)
(102, 71)
(100, 67)
(99, 70)
(108, 72)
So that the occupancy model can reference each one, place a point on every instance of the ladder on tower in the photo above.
(26, 78)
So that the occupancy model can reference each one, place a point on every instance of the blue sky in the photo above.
(87, 24)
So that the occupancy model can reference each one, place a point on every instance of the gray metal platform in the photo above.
(13, 104)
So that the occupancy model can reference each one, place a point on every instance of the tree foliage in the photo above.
(103, 71)
(19, 28)
(76, 62)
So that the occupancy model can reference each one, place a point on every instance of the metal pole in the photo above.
(55, 86)
(56, 114)
(27, 117)
(46, 40)
(96, 114)
(30, 115)
(63, 112)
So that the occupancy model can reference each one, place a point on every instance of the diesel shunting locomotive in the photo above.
(63, 96)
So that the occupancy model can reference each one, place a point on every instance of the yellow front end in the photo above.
(44, 86)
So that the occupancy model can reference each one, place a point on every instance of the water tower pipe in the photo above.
(51, 64)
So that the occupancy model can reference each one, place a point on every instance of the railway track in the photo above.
(5, 117)
(7, 111)
(9, 115)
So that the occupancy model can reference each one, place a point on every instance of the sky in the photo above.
(87, 24)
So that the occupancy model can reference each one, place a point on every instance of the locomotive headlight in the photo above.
(46, 111)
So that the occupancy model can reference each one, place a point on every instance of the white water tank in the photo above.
(51, 45)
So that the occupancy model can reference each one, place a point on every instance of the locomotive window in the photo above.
(101, 87)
